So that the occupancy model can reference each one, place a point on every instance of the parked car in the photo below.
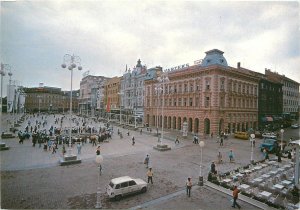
(125, 185)
(295, 126)
(269, 144)
(269, 135)
(241, 135)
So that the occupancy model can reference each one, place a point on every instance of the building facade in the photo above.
(133, 91)
(90, 98)
(209, 96)
(270, 104)
(112, 88)
(50, 99)
(290, 91)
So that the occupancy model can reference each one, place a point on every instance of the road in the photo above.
(32, 178)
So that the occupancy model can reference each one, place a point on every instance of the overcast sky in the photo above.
(107, 35)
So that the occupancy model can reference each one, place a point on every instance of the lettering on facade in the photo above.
(177, 68)
(198, 62)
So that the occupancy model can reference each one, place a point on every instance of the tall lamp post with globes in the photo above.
(11, 100)
(201, 145)
(281, 144)
(120, 94)
(157, 90)
(99, 160)
(39, 97)
(71, 61)
(2, 73)
(163, 79)
(252, 141)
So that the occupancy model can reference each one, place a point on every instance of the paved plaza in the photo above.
(32, 177)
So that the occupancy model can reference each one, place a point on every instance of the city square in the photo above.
(149, 105)
(33, 178)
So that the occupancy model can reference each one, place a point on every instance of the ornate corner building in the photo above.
(210, 96)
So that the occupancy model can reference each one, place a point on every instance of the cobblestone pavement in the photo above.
(31, 178)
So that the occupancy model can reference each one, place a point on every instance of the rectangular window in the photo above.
(184, 102)
(222, 101)
(206, 101)
(185, 88)
(222, 85)
(179, 102)
(191, 88)
(207, 85)
(197, 102)
(191, 101)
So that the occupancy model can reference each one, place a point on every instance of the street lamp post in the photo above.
(281, 146)
(72, 61)
(163, 79)
(120, 93)
(200, 183)
(9, 93)
(99, 160)
(157, 89)
(252, 141)
(2, 72)
(39, 97)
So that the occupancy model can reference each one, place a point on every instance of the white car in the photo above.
(125, 185)
(295, 126)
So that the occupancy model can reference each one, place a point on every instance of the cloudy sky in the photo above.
(107, 35)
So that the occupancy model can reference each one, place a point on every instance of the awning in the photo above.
(269, 119)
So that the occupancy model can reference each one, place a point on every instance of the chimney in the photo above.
(239, 65)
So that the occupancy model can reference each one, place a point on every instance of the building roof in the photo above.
(214, 57)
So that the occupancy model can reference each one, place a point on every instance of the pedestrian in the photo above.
(141, 131)
(150, 175)
(188, 187)
(213, 168)
(63, 150)
(221, 141)
(133, 142)
(78, 148)
(176, 140)
(194, 139)
(289, 155)
(231, 156)
(147, 161)
(53, 148)
(211, 135)
(235, 193)
(128, 133)
(265, 153)
(98, 150)
(219, 157)
(279, 155)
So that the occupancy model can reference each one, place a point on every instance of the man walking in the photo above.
(78, 148)
(147, 161)
(150, 175)
(188, 187)
(213, 168)
(231, 156)
(176, 140)
(235, 193)
(221, 141)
